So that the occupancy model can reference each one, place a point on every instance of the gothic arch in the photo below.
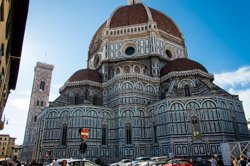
(184, 82)
(176, 106)
(116, 87)
(153, 114)
(127, 113)
(137, 69)
(223, 104)
(239, 108)
(76, 91)
(192, 105)
(92, 113)
(126, 69)
(65, 113)
(208, 103)
(117, 71)
(110, 91)
(53, 114)
(139, 86)
(161, 108)
(231, 107)
(105, 114)
(141, 113)
(149, 88)
(127, 85)
(77, 112)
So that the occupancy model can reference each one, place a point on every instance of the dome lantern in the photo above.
(132, 2)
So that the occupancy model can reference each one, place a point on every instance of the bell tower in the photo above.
(39, 99)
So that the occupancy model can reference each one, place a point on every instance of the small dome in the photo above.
(181, 64)
(86, 74)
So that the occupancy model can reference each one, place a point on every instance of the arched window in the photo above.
(95, 100)
(195, 129)
(126, 69)
(117, 71)
(104, 135)
(168, 53)
(155, 133)
(137, 69)
(187, 90)
(64, 134)
(42, 85)
(77, 99)
(35, 118)
(128, 134)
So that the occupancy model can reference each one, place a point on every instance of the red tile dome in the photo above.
(181, 64)
(134, 15)
(86, 74)
(138, 14)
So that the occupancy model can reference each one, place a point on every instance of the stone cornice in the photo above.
(80, 83)
(130, 76)
(188, 73)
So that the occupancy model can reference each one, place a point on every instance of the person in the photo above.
(248, 162)
(55, 163)
(64, 163)
(220, 162)
(235, 162)
(242, 161)
(213, 161)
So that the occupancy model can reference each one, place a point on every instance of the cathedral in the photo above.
(140, 95)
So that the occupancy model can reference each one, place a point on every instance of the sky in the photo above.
(59, 32)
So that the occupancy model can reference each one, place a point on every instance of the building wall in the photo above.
(161, 128)
(5, 7)
(13, 16)
(7, 144)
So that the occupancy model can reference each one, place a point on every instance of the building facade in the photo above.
(13, 15)
(17, 151)
(140, 96)
(38, 100)
(7, 145)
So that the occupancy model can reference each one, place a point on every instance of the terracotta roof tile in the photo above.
(181, 64)
(86, 74)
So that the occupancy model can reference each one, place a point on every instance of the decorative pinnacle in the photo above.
(132, 2)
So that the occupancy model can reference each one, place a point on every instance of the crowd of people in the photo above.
(242, 161)
(216, 161)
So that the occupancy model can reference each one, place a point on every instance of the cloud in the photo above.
(20, 103)
(24, 92)
(237, 83)
(56, 86)
(239, 77)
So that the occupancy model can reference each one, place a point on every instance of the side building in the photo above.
(13, 15)
(39, 99)
(7, 145)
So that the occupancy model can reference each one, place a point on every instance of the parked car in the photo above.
(76, 162)
(158, 161)
(123, 162)
(140, 161)
(178, 162)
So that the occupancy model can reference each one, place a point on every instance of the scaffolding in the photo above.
(233, 150)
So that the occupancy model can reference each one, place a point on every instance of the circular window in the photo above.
(129, 50)
(169, 54)
(96, 60)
